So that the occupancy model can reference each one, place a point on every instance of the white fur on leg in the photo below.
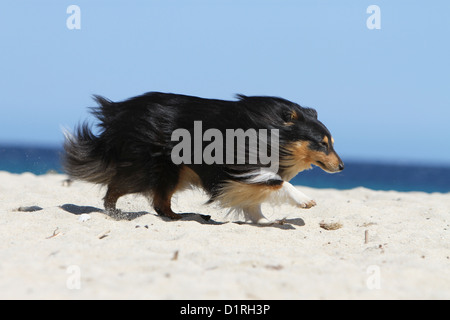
(254, 214)
(294, 196)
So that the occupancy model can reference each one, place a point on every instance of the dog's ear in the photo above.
(310, 112)
(291, 116)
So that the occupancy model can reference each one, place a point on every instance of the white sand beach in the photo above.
(383, 245)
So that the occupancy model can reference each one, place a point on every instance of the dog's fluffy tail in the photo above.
(83, 157)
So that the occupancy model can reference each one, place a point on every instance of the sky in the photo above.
(383, 93)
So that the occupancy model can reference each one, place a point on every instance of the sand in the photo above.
(355, 244)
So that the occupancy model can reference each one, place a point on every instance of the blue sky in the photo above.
(384, 94)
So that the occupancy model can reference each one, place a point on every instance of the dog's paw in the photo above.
(261, 221)
(307, 204)
(265, 222)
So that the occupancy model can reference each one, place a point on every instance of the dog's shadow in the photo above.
(129, 216)
(285, 224)
(74, 209)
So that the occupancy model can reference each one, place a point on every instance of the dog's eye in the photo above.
(324, 144)
(290, 116)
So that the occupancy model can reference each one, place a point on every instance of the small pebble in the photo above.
(330, 226)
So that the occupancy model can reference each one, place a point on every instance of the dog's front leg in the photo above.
(254, 214)
(296, 197)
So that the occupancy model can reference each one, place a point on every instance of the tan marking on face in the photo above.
(325, 140)
(238, 194)
(332, 141)
(302, 157)
(294, 115)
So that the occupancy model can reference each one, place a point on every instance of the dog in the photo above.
(134, 151)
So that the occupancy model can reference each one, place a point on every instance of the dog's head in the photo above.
(306, 142)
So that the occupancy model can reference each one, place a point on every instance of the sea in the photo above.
(372, 175)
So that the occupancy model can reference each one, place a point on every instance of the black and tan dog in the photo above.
(133, 151)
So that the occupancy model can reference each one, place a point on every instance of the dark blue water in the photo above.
(38, 160)
(377, 176)
(380, 176)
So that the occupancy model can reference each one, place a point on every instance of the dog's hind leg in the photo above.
(175, 179)
(110, 200)
(163, 191)
(162, 204)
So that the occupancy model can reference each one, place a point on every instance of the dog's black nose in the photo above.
(341, 166)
